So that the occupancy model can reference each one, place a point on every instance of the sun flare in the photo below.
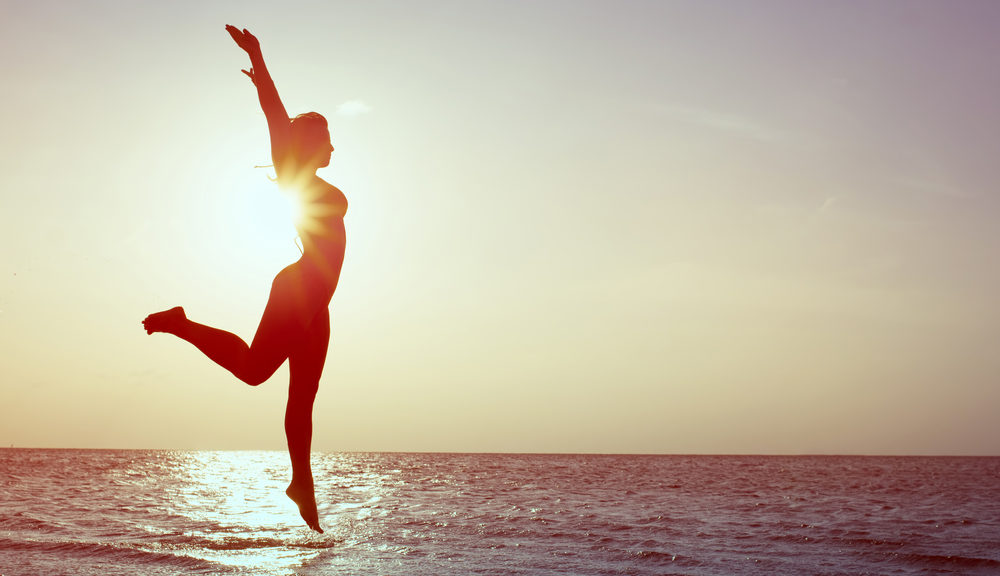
(291, 210)
(271, 217)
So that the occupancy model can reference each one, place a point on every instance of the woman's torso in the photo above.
(321, 229)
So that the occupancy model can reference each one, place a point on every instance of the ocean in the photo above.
(108, 512)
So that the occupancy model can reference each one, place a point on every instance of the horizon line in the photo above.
(494, 453)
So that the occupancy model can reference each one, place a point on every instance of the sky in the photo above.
(728, 227)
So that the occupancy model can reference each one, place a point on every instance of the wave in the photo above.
(113, 553)
(237, 543)
(940, 561)
(21, 521)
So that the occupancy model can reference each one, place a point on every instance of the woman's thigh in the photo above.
(293, 304)
(306, 360)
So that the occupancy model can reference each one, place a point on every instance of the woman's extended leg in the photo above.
(280, 326)
(305, 367)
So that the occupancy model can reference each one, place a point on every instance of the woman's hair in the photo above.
(308, 137)
(307, 133)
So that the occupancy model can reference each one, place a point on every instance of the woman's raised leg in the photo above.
(280, 326)
(305, 365)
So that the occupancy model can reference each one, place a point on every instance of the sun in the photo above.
(291, 207)
(271, 217)
(281, 213)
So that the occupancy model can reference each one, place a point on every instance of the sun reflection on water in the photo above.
(230, 508)
(247, 521)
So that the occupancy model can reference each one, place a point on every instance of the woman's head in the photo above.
(309, 144)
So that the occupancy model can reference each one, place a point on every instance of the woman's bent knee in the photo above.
(257, 381)
(254, 376)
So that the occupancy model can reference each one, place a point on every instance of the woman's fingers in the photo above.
(238, 36)
(244, 39)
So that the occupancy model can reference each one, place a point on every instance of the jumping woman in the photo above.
(296, 321)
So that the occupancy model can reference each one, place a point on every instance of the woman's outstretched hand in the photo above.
(248, 42)
(244, 39)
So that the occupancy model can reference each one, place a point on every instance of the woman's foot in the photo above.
(305, 498)
(167, 321)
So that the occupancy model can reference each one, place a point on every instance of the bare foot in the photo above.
(305, 498)
(167, 321)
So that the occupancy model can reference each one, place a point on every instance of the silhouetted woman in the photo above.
(296, 321)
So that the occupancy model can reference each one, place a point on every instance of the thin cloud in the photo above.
(353, 108)
(723, 122)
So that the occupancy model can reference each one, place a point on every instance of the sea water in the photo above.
(166, 512)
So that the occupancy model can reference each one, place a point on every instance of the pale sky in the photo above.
(667, 227)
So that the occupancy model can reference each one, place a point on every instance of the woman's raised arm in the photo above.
(274, 110)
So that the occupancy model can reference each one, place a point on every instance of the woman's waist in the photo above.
(323, 247)
(322, 251)
(320, 271)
